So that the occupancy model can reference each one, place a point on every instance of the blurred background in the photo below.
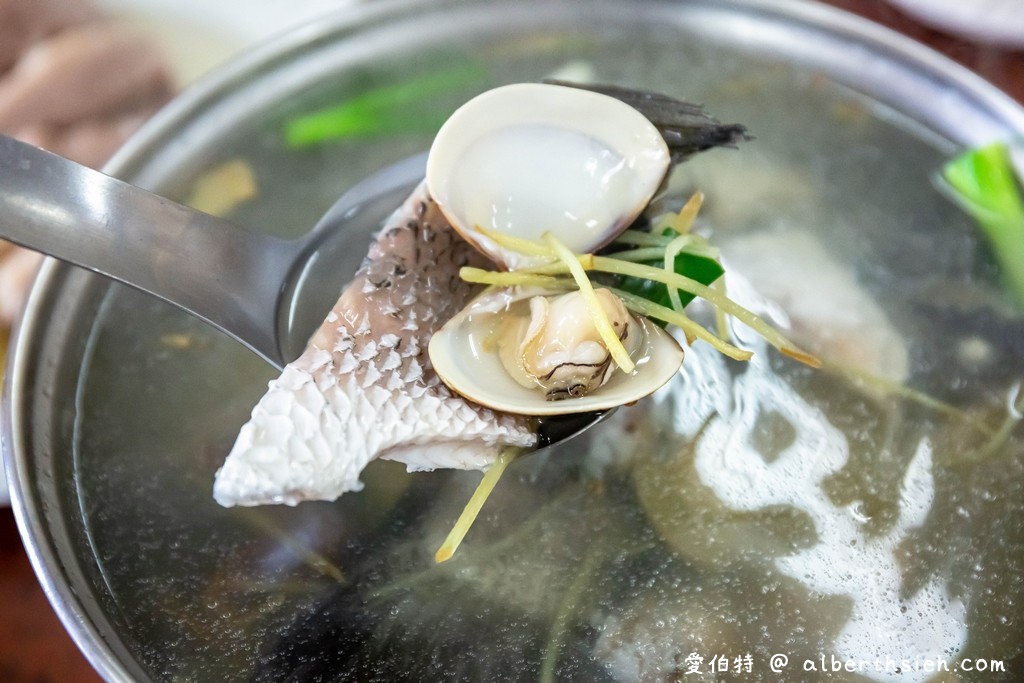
(79, 76)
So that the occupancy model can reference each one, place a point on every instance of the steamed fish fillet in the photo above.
(826, 308)
(364, 387)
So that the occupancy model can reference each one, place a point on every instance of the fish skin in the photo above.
(364, 387)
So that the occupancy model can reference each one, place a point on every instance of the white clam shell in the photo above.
(464, 356)
(528, 158)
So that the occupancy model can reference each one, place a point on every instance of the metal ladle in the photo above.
(247, 284)
(267, 292)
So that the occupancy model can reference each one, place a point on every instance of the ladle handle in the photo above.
(203, 264)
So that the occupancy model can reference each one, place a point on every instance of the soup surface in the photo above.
(871, 511)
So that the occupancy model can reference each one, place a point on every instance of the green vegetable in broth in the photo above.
(703, 269)
(983, 182)
(408, 107)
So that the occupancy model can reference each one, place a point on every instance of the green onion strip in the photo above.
(648, 308)
(577, 265)
(642, 254)
(642, 239)
(771, 335)
(671, 251)
(513, 279)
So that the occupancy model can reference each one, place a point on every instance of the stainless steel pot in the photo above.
(118, 410)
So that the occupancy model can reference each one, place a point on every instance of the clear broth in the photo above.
(610, 553)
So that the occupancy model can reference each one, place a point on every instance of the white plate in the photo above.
(995, 22)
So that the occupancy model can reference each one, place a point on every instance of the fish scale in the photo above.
(364, 386)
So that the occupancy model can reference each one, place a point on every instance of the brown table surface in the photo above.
(33, 645)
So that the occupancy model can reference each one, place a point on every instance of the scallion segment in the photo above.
(408, 107)
(983, 183)
(668, 270)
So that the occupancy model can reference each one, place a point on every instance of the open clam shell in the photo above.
(527, 158)
(465, 356)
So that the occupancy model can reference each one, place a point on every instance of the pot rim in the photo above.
(112, 660)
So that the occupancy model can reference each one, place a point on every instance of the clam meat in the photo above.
(556, 346)
(529, 353)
